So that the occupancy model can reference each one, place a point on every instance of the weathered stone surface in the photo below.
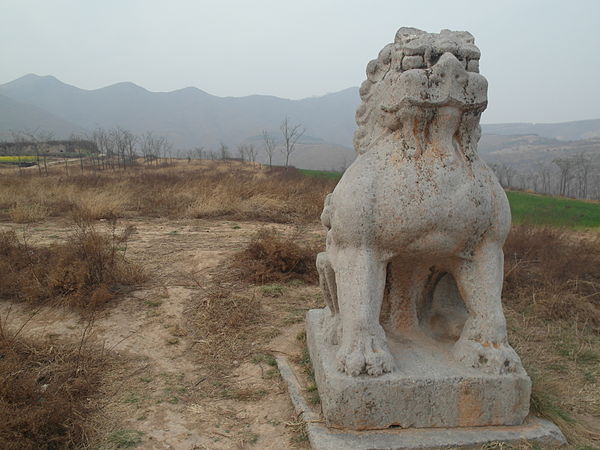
(428, 389)
(416, 207)
(414, 334)
(534, 430)
(412, 62)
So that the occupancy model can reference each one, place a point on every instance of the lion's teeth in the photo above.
(445, 45)
(412, 62)
(469, 51)
(473, 66)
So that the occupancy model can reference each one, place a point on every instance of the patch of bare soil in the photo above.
(163, 393)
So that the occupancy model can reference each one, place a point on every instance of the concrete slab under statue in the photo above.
(414, 335)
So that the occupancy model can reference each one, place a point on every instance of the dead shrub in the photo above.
(271, 256)
(28, 213)
(224, 324)
(85, 272)
(46, 393)
(557, 267)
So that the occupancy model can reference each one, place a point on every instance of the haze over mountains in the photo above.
(190, 117)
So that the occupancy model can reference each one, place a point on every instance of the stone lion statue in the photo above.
(416, 225)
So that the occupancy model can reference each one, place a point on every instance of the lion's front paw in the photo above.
(492, 358)
(365, 353)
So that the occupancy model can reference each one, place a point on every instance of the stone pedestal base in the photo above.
(535, 431)
(428, 388)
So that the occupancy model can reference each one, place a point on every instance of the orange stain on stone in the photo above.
(469, 406)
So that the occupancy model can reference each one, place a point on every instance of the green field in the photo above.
(321, 174)
(531, 208)
(553, 211)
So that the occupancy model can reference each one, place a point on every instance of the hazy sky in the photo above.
(541, 58)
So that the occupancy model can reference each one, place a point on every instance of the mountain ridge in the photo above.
(190, 117)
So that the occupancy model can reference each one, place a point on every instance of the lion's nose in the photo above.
(450, 63)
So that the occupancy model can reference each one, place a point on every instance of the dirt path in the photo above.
(161, 398)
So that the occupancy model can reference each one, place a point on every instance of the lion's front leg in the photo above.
(483, 342)
(360, 278)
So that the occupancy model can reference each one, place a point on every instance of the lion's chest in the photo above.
(417, 205)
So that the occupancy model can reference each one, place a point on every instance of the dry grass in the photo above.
(200, 189)
(28, 212)
(558, 267)
(85, 272)
(48, 389)
(47, 393)
(552, 302)
(551, 291)
(226, 321)
(233, 319)
(272, 256)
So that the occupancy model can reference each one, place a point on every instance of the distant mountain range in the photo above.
(563, 131)
(190, 117)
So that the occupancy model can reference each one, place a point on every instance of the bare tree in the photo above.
(270, 146)
(545, 175)
(242, 152)
(153, 147)
(595, 186)
(199, 152)
(167, 148)
(104, 145)
(509, 174)
(224, 151)
(125, 142)
(533, 178)
(39, 141)
(247, 152)
(147, 146)
(75, 146)
(291, 134)
(583, 166)
(565, 166)
(130, 142)
(251, 153)
(20, 141)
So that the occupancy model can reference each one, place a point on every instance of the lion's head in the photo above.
(416, 79)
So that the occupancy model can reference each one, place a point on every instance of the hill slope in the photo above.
(564, 131)
(190, 117)
(17, 116)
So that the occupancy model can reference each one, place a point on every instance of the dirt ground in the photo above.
(161, 391)
(157, 394)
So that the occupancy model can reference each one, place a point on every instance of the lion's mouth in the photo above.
(432, 70)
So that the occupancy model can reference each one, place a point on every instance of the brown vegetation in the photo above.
(271, 256)
(552, 301)
(558, 268)
(551, 291)
(85, 272)
(226, 323)
(46, 393)
(199, 189)
(47, 388)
